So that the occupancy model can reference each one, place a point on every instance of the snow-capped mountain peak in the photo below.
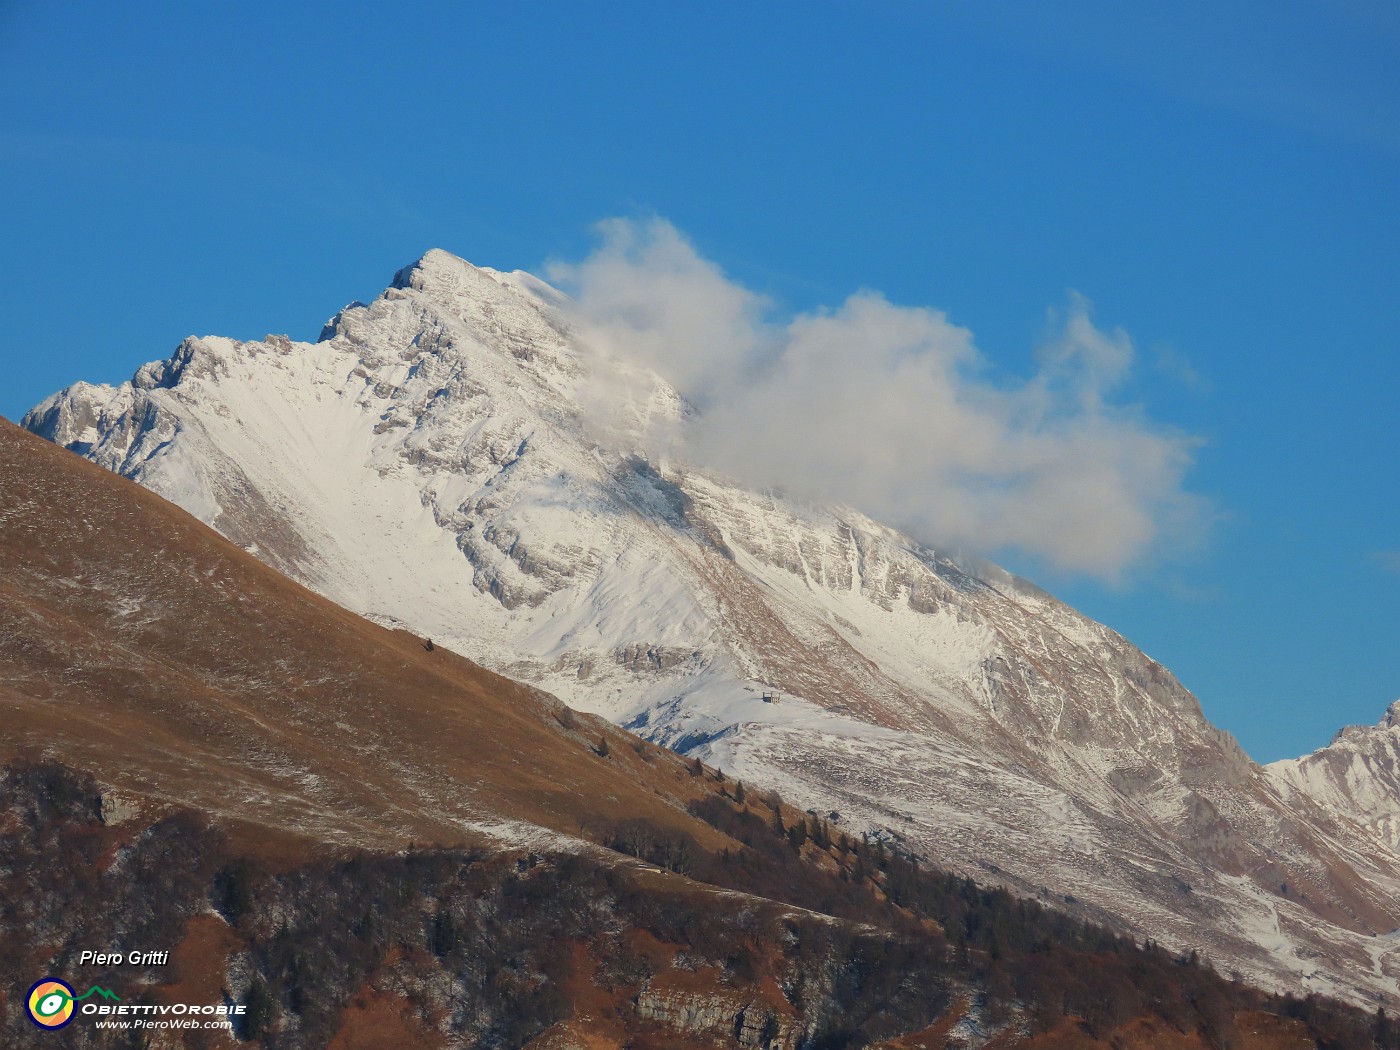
(452, 458)
(1356, 776)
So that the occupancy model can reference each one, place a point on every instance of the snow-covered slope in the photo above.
(1357, 775)
(430, 462)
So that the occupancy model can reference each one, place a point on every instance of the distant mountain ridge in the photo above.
(431, 462)
(1356, 775)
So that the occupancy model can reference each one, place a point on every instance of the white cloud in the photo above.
(645, 295)
(1389, 560)
(1087, 361)
(888, 408)
(1172, 364)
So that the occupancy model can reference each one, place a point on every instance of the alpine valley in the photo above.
(432, 463)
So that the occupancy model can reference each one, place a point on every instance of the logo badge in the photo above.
(50, 1003)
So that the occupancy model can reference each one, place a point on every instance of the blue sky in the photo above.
(1224, 185)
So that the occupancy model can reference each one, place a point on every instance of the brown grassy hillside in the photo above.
(139, 644)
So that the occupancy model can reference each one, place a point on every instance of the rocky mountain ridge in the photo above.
(1357, 775)
(435, 461)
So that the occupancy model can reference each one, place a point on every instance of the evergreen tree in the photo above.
(258, 1003)
(797, 834)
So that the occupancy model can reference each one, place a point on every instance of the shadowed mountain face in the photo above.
(434, 461)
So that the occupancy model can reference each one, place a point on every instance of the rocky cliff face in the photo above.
(434, 461)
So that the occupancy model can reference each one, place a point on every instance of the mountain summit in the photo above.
(1357, 774)
(437, 460)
